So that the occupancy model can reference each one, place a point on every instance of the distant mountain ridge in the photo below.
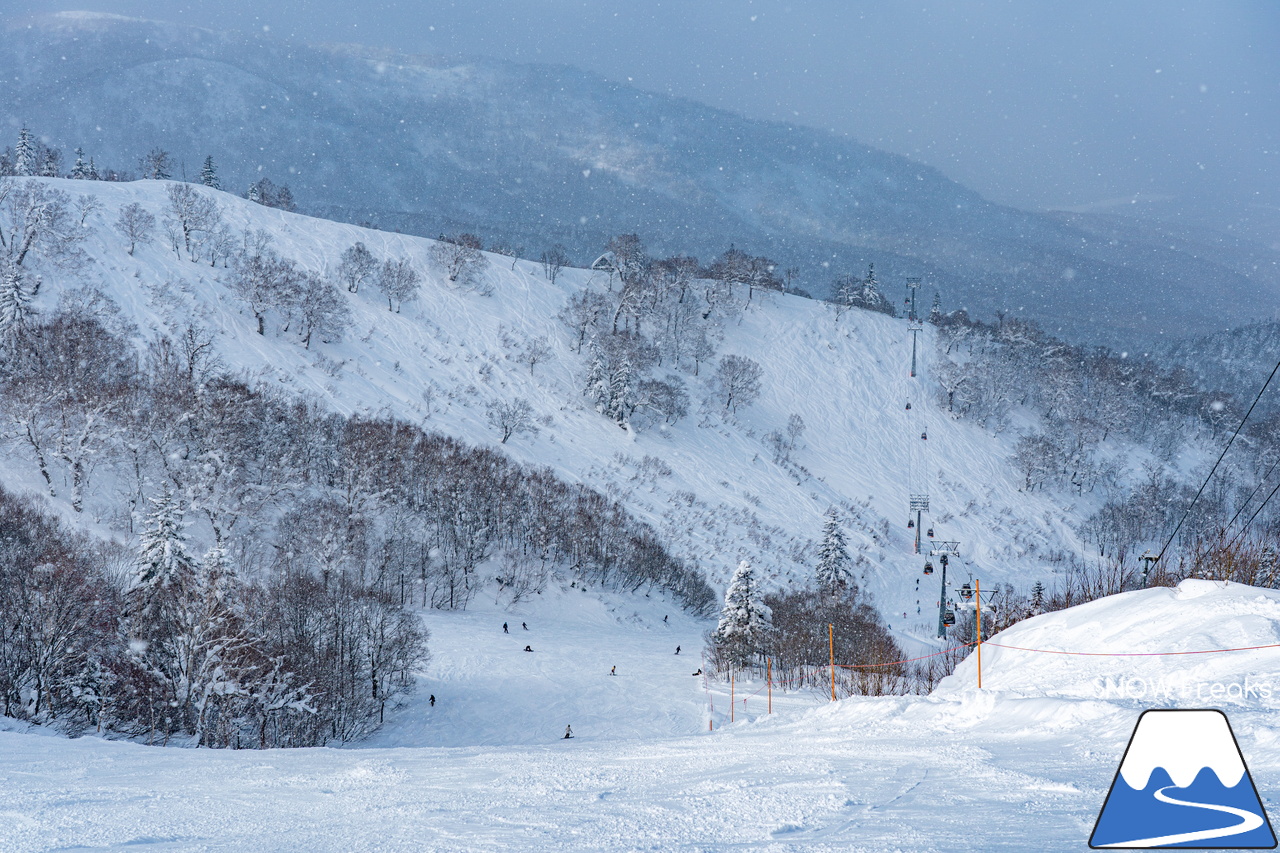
(533, 155)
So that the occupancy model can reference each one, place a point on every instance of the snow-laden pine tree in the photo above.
(1037, 599)
(15, 301)
(209, 174)
(166, 571)
(597, 386)
(25, 155)
(80, 171)
(835, 569)
(620, 392)
(745, 621)
(935, 311)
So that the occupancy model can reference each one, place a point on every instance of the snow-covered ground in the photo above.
(1022, 765)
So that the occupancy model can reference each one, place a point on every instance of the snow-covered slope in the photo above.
(1130, 629)
(535, 155)
(709, 483)
(988, 770)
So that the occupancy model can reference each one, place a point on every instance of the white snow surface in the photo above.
(487, 770)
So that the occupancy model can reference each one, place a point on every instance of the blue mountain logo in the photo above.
(1183, 783)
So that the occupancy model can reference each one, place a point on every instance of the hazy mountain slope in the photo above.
(1239, 361)
(709, 484)
(538, 154)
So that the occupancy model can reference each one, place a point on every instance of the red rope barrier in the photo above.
(1132, 654)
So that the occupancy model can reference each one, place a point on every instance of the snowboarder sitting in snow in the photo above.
(699, 672)
(528, 649)
(568, 732)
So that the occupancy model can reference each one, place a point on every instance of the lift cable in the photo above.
(1212, 470)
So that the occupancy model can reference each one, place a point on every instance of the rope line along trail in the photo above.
(1132, 654)
(768, 685)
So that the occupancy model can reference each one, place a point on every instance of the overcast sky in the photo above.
(1057, 104)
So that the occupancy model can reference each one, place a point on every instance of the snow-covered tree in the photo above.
(323, 310)
(15, 305)
(209, 174)
(80, 171)
(553, 260)
(35, 218)
(460, 259)
(25, 155)
(398, 281)
(835, 570)
(510, 417)
(156, 165)
(853, 292)
(610, 380)
(935, 311)
(50, 162)
(136, 224)
(356, 265)
(193, 213)
(166, 570)
(737, 381)
(1037, 599)
(745, 620)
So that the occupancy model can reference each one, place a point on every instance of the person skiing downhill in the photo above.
(677, 650)
(504, 628)
(613, 670)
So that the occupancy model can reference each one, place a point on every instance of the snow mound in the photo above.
(1122, 647)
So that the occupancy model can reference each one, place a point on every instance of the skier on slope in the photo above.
(677, 650)
(568, 732)
(504, 628)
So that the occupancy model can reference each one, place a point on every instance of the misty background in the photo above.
(1142, 107)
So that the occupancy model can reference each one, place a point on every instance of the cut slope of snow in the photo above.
(1122, 636)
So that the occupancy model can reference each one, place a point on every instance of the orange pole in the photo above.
(731, 698)
(831, 645)
(977, 596)
(769, 680)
